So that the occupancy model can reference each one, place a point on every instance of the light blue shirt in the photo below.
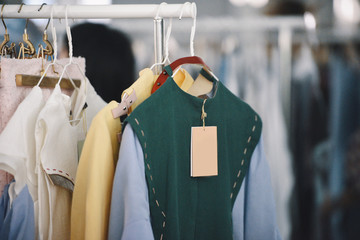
(253, 213)
(17, 221)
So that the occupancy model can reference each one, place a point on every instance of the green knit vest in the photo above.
(183, 207)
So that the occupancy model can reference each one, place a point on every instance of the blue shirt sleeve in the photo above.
(253, 212)
(22, 225)
(4, 207)
(130, 213)
(19, 222)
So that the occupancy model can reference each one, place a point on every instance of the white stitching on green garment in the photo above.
(151, 178)
(242, 161)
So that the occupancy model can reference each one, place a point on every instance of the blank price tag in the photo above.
(204, 156)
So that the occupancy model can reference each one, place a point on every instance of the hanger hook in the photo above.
(21, 7)
(47, 25)
(167, 40)
(2, 17)
(53, 30)
(159, 9)
(48, 50)
(68, 33)
(182, 9)
(193, 28)
(41, 6)
(27, 20)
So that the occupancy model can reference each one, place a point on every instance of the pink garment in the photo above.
(11, 95)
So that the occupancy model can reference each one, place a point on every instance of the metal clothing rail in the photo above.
(224, 25)
(231, 24)
(101, 11)
(116, 11)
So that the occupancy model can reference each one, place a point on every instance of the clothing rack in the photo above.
(116, 11)
(285, 26)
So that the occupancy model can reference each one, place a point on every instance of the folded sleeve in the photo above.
(130, 213)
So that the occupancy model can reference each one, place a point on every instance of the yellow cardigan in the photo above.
(94, 179)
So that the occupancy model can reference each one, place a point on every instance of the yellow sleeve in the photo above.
(144, 84)
(142, 87)
(91, 201)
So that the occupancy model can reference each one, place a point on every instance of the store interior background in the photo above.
(311, 118)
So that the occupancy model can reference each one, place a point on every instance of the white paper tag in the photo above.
(204, 154)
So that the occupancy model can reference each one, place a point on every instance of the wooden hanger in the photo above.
(47, 82)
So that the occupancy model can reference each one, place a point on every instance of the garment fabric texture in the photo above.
(344, 115)
(91, 196)
(262, 92)
(166, 211)
(11, 95)
(308, 128)
(143, 85)
(4, 207)
(344, 120)
(56, 157)
(17, 219)
(253, 214)
(253, 75)
(18, 148)
(90, 215)
(17, 141)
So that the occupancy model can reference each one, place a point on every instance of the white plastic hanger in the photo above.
(201, 85)
(168, 33)
(192, 33)
(205, 83)
(126, 100)
(193, 28)
(53, 32)
(80, 93)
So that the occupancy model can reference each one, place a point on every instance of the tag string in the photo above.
(203, 113)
